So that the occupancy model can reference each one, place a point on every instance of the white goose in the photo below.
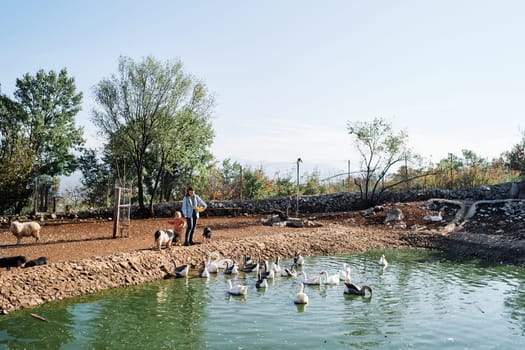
(275, 266)
(332, 280)
(212, 266)
(238, 289)
(382, 261)
(267, 273)
(312, 281)
(301, 297)
(298, 260)
(344, 274)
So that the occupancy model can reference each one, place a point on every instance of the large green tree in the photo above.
(38, 135)
(156, 117)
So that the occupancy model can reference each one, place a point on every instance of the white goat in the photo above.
(25, 229)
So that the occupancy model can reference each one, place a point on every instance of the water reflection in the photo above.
(421, 300)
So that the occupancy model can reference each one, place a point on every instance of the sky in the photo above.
(288, 76)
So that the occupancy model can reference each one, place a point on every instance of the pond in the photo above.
(422, 300)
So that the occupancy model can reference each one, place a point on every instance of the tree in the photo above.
(50, 103)
(380, 148)
(515, 158)
(37, 135)
(157, 117)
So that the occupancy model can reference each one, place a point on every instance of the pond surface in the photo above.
(422, 300)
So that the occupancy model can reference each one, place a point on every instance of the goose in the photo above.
(275, 266)
(344, 274)
(249, 265)
(312, 281)
(261, 282)
(238, 289)
(298, 260)
(223, 263)
(204, 273)
(289, 272)
(212, 266)
(232, 269)
(301, 297)
(382, 261)
(267, 273)
(180, 271)
(356, 290)
(330, 279)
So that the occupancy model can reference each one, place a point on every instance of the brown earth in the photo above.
(88, 239)
(83, 258)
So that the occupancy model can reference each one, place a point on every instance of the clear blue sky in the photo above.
(288, 75)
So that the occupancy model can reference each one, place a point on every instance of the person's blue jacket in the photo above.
(189, 205)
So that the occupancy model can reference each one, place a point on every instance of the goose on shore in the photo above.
(238, 289)
(354, 289)
(301, 297)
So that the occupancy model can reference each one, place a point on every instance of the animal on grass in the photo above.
(164, 237)
(25, 229)
(206, 234)
(36, 262)
(12, 261)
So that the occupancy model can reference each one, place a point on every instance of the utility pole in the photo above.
(299, 160)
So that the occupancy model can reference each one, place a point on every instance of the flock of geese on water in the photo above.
(265, 271)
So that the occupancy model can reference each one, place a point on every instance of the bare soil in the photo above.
(93, 238)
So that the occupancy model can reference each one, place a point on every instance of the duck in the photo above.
(354, 289)
(261, 282)
(382, 261)
(301, 297)
(275, 265)
(180, 271)
(289, 272)
(312, 281)
(238, 289)
(332, 280)
(344, 274)
(298, 259)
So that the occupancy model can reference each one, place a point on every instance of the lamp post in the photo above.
(299, 160)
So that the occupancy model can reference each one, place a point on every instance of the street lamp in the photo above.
(299, 160)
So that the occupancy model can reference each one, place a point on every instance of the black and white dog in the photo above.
(12, 261)
(164, 237)
(36, 262)
(206, 234)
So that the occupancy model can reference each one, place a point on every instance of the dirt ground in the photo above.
(79, 240)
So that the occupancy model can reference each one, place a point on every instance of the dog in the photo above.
(12, 261)
(36, 262)
(206, 234)
(164, 237)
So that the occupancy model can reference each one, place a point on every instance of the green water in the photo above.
(422, 300)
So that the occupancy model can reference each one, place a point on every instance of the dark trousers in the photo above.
(190, 229)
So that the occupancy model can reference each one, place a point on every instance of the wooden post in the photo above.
(116, 214)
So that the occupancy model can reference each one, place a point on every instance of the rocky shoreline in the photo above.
(25, 288)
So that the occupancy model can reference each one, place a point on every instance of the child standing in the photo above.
(179, 224)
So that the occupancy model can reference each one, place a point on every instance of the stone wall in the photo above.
(336, 202)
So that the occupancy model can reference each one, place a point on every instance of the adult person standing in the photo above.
(190, 203)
